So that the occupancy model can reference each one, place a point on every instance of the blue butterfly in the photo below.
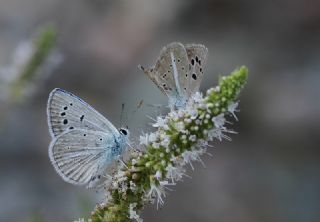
(84, 143)
(178, 71)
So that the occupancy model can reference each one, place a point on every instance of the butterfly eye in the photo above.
(123, 132)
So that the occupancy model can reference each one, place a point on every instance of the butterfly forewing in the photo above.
(171, 65)
(197, 55)
(66, 112)
(80, 155)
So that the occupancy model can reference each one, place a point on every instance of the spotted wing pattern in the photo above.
(66, 111)
(197, 55)
(170, 72)
(178, 71)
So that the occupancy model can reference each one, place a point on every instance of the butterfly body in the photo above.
(178, 71)
(84, 143)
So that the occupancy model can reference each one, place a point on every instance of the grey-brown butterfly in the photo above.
(178, 71)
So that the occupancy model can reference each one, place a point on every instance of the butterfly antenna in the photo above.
(139, 105)
(121, 115)
(126, 119)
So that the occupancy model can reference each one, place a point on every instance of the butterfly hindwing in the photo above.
(80, 156)
(66, 112)
(197, 56)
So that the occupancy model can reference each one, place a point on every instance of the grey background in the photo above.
(269, 172)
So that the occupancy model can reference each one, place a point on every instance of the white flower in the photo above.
(193, 138)
(198, 122)
(219, 121)
(133, 186)
(180, 126)
(165, 140)
(193, 155)
(215, 89)
(161, 123)
(232, 108)
(134, 161)
(144, 140)
(152, 137)
(175, 173)
(181, 113)
(192, 112)
(218, 133)
(123, 187)
(158, 175)
(115, 185)
(188, 157)
(202, 106)
(157, 191)
(210, 105)
(133, 214)
(156, 145)
(203, 143)
(197, 97)
(187, 120)
(173, 115)
(79, 220)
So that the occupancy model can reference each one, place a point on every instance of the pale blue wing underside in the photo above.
(81, 156)
(66, 111)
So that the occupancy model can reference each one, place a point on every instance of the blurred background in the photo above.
(269, 172)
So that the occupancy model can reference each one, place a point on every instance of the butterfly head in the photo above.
(124, 132)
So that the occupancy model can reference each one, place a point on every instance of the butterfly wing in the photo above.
(80, 156)
(170, 72)
(66, 111)
(197, 56)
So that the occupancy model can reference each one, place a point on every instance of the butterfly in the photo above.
(84, 143)
(178, 71)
